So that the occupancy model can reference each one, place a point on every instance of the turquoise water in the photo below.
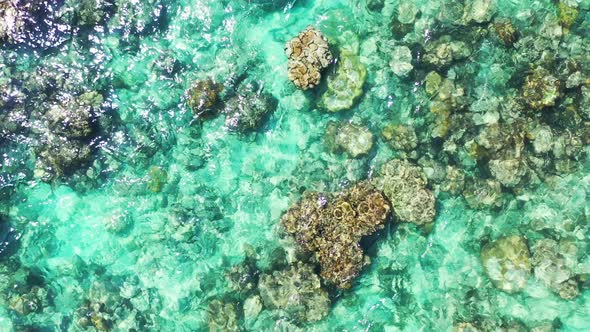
(125, 209)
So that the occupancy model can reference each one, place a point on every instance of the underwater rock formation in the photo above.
(400, 137)
(506, 263)
(12, 19)
(222, 316)
(94, 315)
(405, 185)
(296, 291)
(246, 110)
(345, 86)
(401, 61)
(30, 302)
(445, 50)
(72, 117)
(483, 193)
(347, 137)
(540, 89)
(554, 265)
(331, 225)
(308, 54)
(203, 97)
(57, 156)
(67, 127)
(156, 179)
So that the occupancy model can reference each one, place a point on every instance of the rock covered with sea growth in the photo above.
(554, 265)
(203, 97)
(405, 185)
(331, 226)
(67, 127)
(246, 110)
(347, 137)
(345, 85)
(308, 54)
(506, 262)
(296, 290)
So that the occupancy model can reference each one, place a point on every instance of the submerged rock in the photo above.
(401, 61)
(297, 291)
(400, 137)
(222, 316)
(554, 265)
(445, 50)
(345, 86)
(12, 20)
(405, 185)
(479, 11)
(246, 110)
(355, 140)
(506, 32)
(67, 128)
(506, 263)
(57, 156)
(203, 97)
(509, 172)
(331, 226)
(72, 117)
(308, 54)
(30, 302)
(483, 193)
(540, 89)
(156, 179)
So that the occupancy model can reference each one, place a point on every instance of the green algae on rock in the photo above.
(345, 85)
(506, 262)
(331, 225)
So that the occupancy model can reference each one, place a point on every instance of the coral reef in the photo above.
(554, 265)
(66, 129)
(156, 179)
(246, 110)
(540, 89)
(347, 137)
(94, 315)
(400, 137)
(296, 291)
(345, 85)
(203, 97)
(507, 263)
(331, 226)
(445, 50)
(405, 185)
(401, 61)
(12, 20)
(222, 316)
(308, 53)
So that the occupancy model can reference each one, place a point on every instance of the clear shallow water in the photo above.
(155, 259)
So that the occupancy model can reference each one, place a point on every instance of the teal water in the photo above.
(142, 217)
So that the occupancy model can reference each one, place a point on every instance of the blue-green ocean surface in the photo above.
(216, 165)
